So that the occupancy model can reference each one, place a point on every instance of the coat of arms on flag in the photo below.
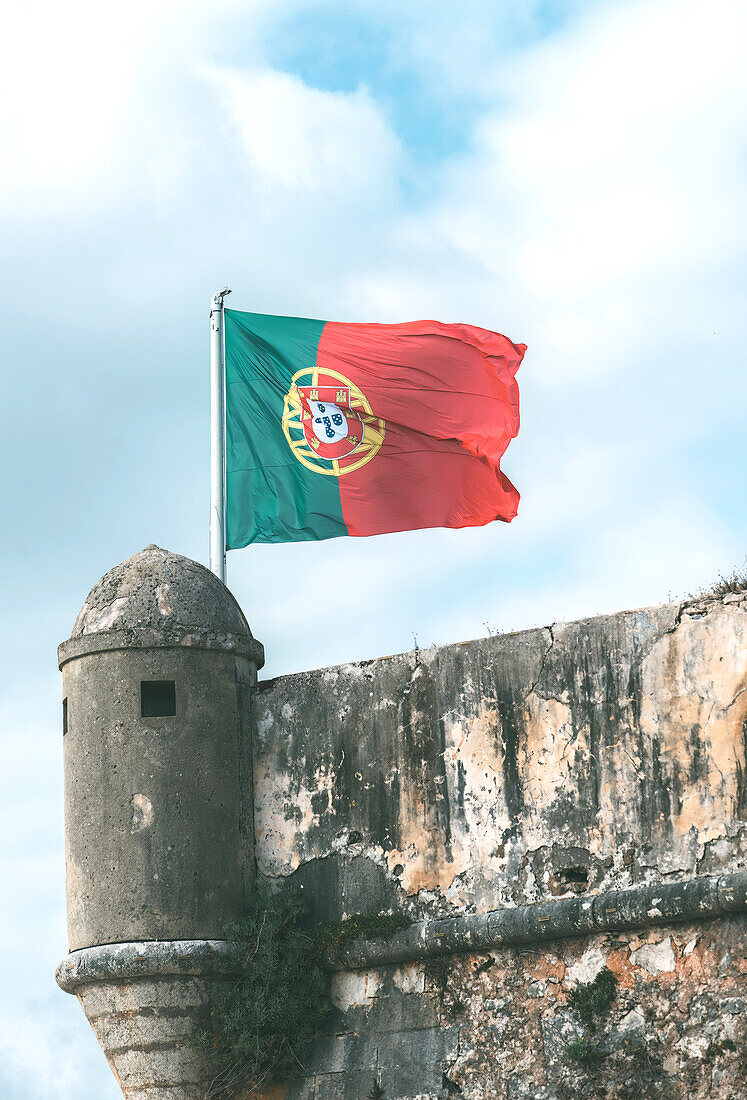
(329, 424)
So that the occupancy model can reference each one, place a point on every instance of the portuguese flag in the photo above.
(355, 429)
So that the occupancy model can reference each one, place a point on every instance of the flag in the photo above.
(359, 429)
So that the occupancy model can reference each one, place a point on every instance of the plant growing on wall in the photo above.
(263, 1023)
(334, 936)
(592, 1000)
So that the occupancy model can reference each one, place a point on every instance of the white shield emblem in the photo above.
(328, 422)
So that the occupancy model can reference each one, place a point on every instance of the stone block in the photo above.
(408, 1082)
(430, 1046)
(178, 1065)
(405, 1013)
(340, 1053)
(105, 998)
(116, 1033)
(169, 1092)
(345, 1086)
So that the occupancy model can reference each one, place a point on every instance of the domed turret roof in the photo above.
(166, 595)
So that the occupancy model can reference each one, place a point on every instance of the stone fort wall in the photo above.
(589, 755)
(559, 763)
(544, 806)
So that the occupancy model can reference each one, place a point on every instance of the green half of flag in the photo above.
(270, 496)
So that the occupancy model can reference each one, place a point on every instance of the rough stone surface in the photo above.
(165, 591)
(158, 844)
(147, 1030)
(143, 961)
(146, 1003)
(497, 1025)
(571, 763)
(153, 812)
(550, 763)
(655, 957)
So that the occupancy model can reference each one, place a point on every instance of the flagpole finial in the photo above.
(217, 300)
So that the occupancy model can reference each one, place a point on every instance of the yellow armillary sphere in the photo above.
(328, 422)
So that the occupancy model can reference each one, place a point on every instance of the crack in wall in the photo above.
(533, 689)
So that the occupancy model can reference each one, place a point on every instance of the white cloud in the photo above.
(596, 214)
(602, 196)
(304, 139)
(67, 75)
(46, 1054)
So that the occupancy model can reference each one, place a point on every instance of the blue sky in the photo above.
(570, 174)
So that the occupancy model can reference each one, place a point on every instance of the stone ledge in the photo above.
(639, 907)
(120, 962)
(240, 645)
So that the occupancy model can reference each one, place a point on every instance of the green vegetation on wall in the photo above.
(264, 1022)
(592, 1000)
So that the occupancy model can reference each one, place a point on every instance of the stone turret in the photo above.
(157, 679)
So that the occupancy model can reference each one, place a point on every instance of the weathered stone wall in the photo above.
(497, 1026)
(580, 757)
(595, 768)
(551, 763)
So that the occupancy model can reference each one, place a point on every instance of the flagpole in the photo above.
(217, 439)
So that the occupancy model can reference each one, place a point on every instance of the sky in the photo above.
(571, 174)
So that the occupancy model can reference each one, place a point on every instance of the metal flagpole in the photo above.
(217, 439)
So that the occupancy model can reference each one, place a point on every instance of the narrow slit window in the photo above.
(157, 698)
(64, 717)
